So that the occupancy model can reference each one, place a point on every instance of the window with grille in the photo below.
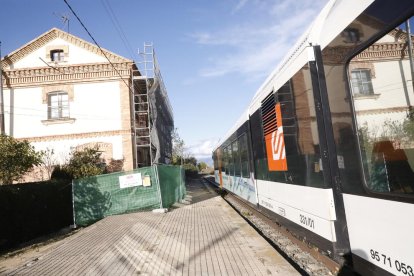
(58, 105)
(57, 55)
(361, 82)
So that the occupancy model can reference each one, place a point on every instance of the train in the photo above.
(326, 145)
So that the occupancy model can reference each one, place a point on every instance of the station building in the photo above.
(63, 93)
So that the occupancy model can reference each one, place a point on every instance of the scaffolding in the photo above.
(153, 120)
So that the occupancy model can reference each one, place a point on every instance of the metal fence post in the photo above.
(181, 183)
(157, 177)
(73, 204)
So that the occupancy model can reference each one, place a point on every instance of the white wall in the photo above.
(77, 55)
(95, 107)
(392, 85)
(63, 148)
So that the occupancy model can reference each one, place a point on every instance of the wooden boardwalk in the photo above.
(206, 237)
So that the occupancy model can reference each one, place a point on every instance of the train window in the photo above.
(381, 78)
(236, 158)
(230, 163)
(260, 168)
(219, 157)
(226, 160)
(244, 155)
(300, 132)
(214, 160)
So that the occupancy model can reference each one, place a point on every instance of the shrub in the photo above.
(115, 166)
(61, 172)
(84, 163)
(16, 159)
(190, 170)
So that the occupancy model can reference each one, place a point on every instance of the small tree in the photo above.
(16, 158)
(85, 163)
(191, 160)
(178, 148)
(190, 170)
(49, 161)
(202, 166)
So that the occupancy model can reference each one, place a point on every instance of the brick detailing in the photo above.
(76, 136)
(52, 88)
(63, 74)
(53, 34)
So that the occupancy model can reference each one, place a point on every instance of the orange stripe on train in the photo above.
(275, 145)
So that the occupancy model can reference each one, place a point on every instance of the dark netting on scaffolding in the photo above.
(172, 184)
(153, 114)
(162, 118)
(100, 196)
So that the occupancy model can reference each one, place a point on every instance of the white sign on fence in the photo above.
(146, 182)
(130, 180)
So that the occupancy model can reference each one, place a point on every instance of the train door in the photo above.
(220, 167)
(381, 83)
(369, 81)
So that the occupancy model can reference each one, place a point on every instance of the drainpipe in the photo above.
(2, 130)
(410, 50)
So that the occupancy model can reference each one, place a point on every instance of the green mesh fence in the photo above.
(169, 177)
(97, 197)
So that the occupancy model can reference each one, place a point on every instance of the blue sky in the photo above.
(213, 55)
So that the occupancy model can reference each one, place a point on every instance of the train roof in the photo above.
(333, 18)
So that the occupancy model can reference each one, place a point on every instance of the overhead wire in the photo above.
(117, 26)
(53, 67)
(96, 43)
(39, 113)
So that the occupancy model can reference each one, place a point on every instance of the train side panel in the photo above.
(370, 91)
(345, 114)
(308, 207)
(243, 187)
(381, 232)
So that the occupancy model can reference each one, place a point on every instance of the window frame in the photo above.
(57, 55)
(244, 155)
(400, 197)
(62, 105)
(360, 83)
(235, 148)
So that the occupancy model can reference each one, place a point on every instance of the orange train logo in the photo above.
(275, 145)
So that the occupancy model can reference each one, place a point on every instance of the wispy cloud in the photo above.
(202, 149)
(239, 6)
(255, 49)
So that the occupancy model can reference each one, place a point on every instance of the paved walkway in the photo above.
(206, 237)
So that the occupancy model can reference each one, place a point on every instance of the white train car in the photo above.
(326, 146)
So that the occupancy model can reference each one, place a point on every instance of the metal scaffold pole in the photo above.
(142, 125)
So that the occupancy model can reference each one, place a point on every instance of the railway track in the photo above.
(307, 259)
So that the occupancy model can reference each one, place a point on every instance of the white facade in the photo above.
(68, 101)
(391, 94)
(26, 115)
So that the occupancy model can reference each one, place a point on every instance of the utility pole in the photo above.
(2, 130)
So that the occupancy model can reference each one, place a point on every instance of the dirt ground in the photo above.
(33, 250)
